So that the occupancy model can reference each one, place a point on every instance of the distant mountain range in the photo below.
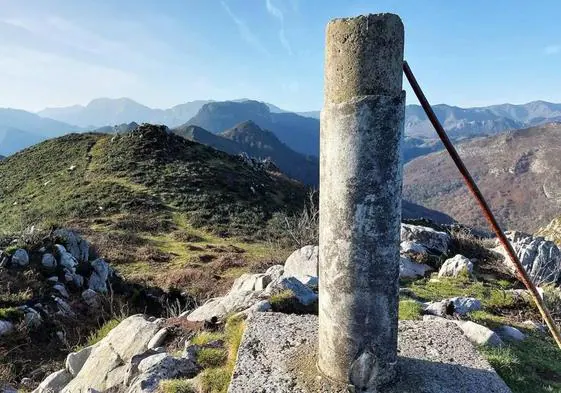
(490, 120)
(299, 132)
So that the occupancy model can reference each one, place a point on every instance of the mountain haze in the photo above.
(20, 129)
(105, 111)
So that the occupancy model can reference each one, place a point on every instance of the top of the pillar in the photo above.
(364, 56)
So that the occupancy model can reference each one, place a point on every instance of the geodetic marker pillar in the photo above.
(360, 200)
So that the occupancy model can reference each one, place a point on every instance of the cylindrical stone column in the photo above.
(360, 200)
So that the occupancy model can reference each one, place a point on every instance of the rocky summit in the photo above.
(451, 281)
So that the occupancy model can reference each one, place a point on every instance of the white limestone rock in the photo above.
(75, 360)
(301, 292)
(479, 334)
(158, 339)
(303, 264)
(430, 239)
(456, 266)
(410, 269)
(54, 382)
(105, 367)
(219, 308)
(541, 258)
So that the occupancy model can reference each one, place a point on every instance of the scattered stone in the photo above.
(63, 307)
(48, 261)
(20, 258)
(541, 258)
(275, 272)
(75, 360)
(465, 305)
(52, 279)
(158, 339)
(440, 309)
(510, 333)
(54, 382)
(408, 246)
(67, 260)
(456, 266)
(98, 279)
(303, 264)
(159, 367)
(6, 327)
(91, 298)
(410, 269)
(479, 334)
(457, 305)
(535, 325)
(62, 290)
(262, 306)
(78, 247)
(301, 292)
(32, 318)
(220, 308)
(250, 282)
(429, 238)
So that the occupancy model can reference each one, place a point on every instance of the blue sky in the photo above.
(166, 52)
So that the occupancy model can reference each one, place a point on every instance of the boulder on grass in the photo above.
(479, 334)
(455, 267)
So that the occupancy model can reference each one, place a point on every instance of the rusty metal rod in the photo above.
(472, 186)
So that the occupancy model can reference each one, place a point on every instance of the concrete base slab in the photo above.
(278, 354)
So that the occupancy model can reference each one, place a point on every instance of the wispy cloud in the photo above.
(245, 32)
(552, 49)
(278, 14)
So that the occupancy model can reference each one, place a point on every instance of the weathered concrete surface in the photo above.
(277, 354)
(360, 199)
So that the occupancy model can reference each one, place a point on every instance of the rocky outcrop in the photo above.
(250, 292)
(106, 365)
(430, 239)
(54, 382)
(541, 258)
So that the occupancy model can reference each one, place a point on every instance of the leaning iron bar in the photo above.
(489, 216)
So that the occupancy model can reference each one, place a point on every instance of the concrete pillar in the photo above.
(360, 200)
